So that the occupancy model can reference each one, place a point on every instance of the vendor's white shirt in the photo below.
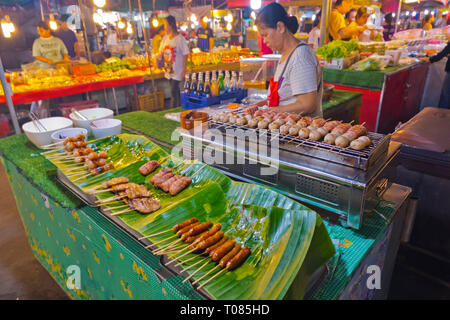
(111, 40)
(180, 49)
(314, 37)
(303, 74)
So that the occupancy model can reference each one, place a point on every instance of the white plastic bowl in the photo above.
(62, 134)
(91, 114)
(51, 125)
(106, 127)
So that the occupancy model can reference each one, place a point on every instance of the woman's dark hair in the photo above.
(388, 18)
(338, 3)
(318, 18)
(347, 15)
(426, 19)
(172, 22)
(362, 11)
(273, 13)
(43, 25)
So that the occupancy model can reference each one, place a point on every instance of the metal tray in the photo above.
(88, 199)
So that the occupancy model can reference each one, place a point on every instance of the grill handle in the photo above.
(381, 187)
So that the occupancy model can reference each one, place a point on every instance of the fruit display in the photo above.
(219, 55)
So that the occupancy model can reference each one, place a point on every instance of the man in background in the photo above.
(47, 50)
(68, 37)
(205, 36)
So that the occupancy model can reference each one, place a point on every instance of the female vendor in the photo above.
(297, 84)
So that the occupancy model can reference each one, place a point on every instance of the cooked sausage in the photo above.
(239, 258)
(263, 124)
(241, 121)
(294, 130)
(103, 154)
(185, 224)
(360, 143)
(199, 228)
(317, 123)
(210, 240)
(100, 162)
(209, 232)
(342, 141)
(162, 179)
(322, 131)
(274, 126)
(92, 156)
(330, 138)
(314, 135)
(303, 133)
(223, 262)
(159, 175)
(284, 129)
(221, 251)
(166, 184)
(215, 246)
(179, 185)
(148, 167)
(185, 229)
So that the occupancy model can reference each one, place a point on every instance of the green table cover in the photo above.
(365, 79)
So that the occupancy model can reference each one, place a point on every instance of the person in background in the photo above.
(350, 16)
(68, 37)
(361, 18)
(314, 35)
(205, 36)
(47, 50)
(388, 27)
(157, 39)
(174, 50)
(427, 22)
(444, 100)
(442, 21)
(338, 28)
(236, 33)
(111, 39)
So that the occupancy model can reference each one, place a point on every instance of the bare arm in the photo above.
(76, 47)
(305, 104)
(40, 58)
(183, 72)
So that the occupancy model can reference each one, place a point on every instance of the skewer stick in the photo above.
(191, 275)
(111, 198)
(172, 250)
(207, 281)
(48, 152)
(182, 250)
(154, 244)
(190, 251)
(185, 269)
(112, 202)
(100, 191)
(155, 234)
(118, 207)
(183, 262)
(167, 246)
(120, 212)
(53, 144)
(199, 170)
(202, 277)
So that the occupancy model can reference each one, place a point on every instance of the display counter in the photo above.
(65, 234)
(389, 96)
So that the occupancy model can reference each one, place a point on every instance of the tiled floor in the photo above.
(22, 277)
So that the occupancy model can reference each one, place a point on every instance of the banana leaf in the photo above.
(288, 240)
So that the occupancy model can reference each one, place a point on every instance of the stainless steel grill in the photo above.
(362, 159)
(345, 182)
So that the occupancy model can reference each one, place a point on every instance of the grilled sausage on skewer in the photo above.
(114, 181)
(184, 224)
(209, 233)
(360, 143)
(294, 130)
(149, 167)
(166, 184)
(210, 240)
(185, 229)
(179, 185)
(303, 133)
(210, 249)
(239, 258)
(199, 228)
(223, 262)
(221, 251)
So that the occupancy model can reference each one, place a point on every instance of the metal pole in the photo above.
(147, 51)
(9, 102)
(42, 10)
(86, 40)
(115, 100)
(325, 21)
(398, 15)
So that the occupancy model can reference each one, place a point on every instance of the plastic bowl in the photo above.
(91, 114)
(106, 127)
(52, 125)
(62, 134)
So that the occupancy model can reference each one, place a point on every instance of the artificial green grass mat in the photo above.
(152, 124)
(20, 151)
(338, 97)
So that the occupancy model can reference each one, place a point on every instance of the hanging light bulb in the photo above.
(193, 18)
(229, 18)
(100, 3)
(121, 24)
(253, 15)
(413, 13)
(155, 23)
(229, 26)
(255, 28)
(52, 23)
(255, 4)
(313, 18)
(426, 12)
(7, 27)
(129, 28)
(205, 19)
